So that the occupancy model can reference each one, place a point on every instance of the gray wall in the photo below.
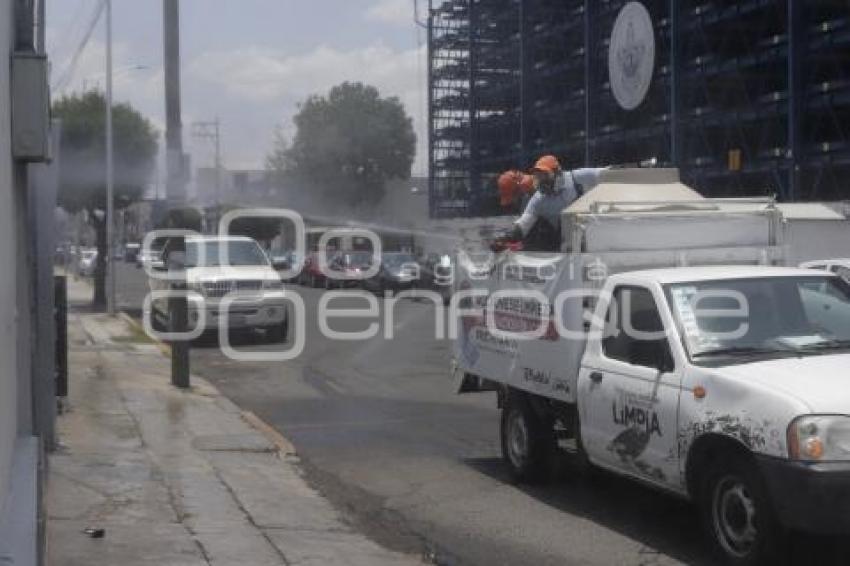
(8, 254)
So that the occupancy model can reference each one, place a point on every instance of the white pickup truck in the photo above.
(721, 379)
(247, 279)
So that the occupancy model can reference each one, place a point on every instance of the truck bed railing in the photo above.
(595, 267)
(708, 205)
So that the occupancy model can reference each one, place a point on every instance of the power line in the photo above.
(417, 20)
(68, 75)
(71, 31)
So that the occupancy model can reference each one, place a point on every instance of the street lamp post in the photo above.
(211, 130)
(110, 173)
(95, 78)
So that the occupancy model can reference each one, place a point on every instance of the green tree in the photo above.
(82, 177)
(347, 145)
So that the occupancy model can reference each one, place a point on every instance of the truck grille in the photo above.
(249, 285)
(218, 289)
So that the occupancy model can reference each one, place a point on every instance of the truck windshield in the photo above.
(239, 253)
(764, 317)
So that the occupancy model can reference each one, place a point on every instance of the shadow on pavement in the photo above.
(238, 339)
(659, 521)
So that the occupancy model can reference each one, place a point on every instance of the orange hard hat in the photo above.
(548, 163)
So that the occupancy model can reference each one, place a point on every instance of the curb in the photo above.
(164, 348)
(284, 446)
(282, 443)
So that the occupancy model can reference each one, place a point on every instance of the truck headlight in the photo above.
(820, 438)
(272, 285)
(197, 287)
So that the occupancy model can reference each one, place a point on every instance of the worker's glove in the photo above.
(510, 240)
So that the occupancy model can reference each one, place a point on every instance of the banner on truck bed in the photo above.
(508, 332)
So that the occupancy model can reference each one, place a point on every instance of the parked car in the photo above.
(437, 275)
(840, 267)
(131, 251)
(248, 276)
(311, 275)
(88, 262)
(399, 271)
(283, 260)
(348, 268)
(63, 254)
(152, 256)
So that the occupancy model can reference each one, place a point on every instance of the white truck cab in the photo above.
(243, 274)
(723, 380)
(840, 267)
(740, 402)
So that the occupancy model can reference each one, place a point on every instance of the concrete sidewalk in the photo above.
(177, 477)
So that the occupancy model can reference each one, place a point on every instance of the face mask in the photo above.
(546, 184)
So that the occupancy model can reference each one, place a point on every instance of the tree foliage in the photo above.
(82, 164)
(83, 152)
(348, 144)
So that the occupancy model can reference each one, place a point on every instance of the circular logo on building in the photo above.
(631, 55)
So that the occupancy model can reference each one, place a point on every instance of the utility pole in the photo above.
(175, 183)
(110, 172)
(211, 130)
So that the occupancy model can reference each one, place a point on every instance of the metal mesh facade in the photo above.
(747, 97)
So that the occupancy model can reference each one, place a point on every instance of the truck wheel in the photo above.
(528, 441)
(583, 466)
(737, 514)
(156, 324)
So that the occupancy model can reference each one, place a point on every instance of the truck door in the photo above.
(629, 390)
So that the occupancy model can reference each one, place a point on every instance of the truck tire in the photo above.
(156, 324)
(737, 514)
(528, 441)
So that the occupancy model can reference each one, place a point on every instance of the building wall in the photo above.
(8, 254)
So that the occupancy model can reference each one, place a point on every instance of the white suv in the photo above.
(247, 277)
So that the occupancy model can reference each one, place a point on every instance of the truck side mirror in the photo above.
(175, 260)
(666, 364)
(652, 354)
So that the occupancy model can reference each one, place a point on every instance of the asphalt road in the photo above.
(382, 434)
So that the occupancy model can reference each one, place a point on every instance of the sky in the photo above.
(247, 62)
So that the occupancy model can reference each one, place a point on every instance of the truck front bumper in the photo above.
(261, 313)
(814, 498)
